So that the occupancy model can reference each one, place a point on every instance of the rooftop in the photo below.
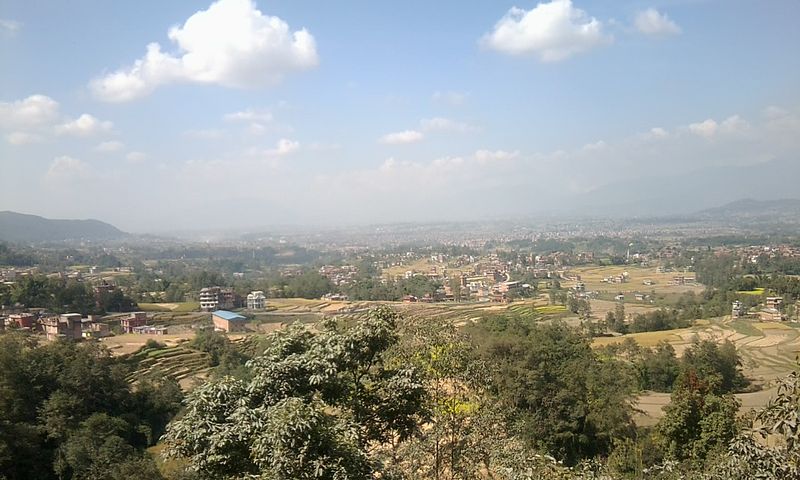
(228, 315)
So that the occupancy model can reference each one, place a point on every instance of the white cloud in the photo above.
(84, 126)
(706, 128)
(652, 22)
(734, 124)
(9, 27)
(136, 157)
(32, 111)
(451, 98)
(552, 31)
(283, 147)
(107, 147)
(66, 168)
(23, 138)
(488, 156)
(658, 132)
(230, 44)
(439, 124)
(406, 136)
(249, 115)
(598, 145)
(710, 127)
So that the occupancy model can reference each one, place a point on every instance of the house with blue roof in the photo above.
(226, 321)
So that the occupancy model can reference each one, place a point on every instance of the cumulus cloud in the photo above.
(231, 44)
(84, 126)
(484, 157)
(283, 147)
(108, 147)
(66, 168)
(36, 118)
(551, 31)
(406, 136)
(249, 115)
(652, 22)
(707, 128)
(710, 127)
(35, 110)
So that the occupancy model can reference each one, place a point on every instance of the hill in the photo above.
(19, 227)
(749, 208)
(696, 191)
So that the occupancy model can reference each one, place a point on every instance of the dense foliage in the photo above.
(313, 406)
(67, 412)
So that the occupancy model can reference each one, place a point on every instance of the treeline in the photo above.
(659, 369)
(382, 289)
(59, 295)
(67, 412)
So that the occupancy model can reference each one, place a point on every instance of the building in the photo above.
(256, 300)
(95, 330)
(67, 326)
(22, 320)
(775, 303)
(209, 299)
(214, 298)
(228, 321)
(150, 330)
(738, 310)
(133, 321)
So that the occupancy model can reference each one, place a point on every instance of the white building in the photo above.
(256, 300)
(209, 299)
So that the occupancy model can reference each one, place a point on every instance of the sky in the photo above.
(156, 116)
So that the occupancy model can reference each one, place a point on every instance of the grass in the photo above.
(178, 307)
(754, 292)
(551, 309)
(746, 328)
(645, 339)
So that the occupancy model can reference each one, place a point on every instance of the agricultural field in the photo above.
(185, 364)
(178, 307)
(593, 278)
(768, 351)
(424, 265)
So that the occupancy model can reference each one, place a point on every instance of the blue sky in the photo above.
(259, 113)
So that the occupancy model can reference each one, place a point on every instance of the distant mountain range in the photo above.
(788, 208)
(22, 228)
(695, 191)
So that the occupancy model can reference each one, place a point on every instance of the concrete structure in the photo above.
(150, 330)
(67, 326)
(775, 303)
(738, 310)
(209, 299)
(256, 300)
(95, 329)
(213, 298)
(22, 320)
(135, 320)
(228, 321)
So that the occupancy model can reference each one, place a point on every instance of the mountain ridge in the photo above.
(27, 228)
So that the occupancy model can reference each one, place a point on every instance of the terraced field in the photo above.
(768, 350)
(183, 363)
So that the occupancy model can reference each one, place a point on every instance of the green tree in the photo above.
(568, 401)
(315, 406)
(698, 422)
